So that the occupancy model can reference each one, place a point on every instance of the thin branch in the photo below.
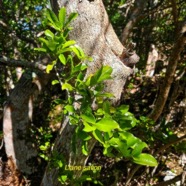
(169, 182)
(18, 63)
(166, 146)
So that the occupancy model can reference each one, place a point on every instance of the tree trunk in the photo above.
(170, 74)
(136, 15)
(94, 33)
(17, 119)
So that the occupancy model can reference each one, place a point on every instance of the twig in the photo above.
(1, 146)
(131, 174)
(169, 182)
(169, 144)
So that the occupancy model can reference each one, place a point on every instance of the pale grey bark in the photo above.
(17, 118)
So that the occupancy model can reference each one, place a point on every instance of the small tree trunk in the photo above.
(169, 76)
(136, 15)
(16, 122)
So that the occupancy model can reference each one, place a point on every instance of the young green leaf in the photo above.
(106, 125)
(84, 148)
(50, 66)
(41, 49)
(145, 159)
(78, 51)
(54, 82)
(138, 148)
(67, 86)
(69, 108)
(61, 16)
(71, 17)
(68, 43)
(105, 74)
(62, 59)
(87, 127)
(49, 34)
(98, 136)
(88, 117)
(53, 19)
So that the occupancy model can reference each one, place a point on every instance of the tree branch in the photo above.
(169, 182)
(18, 63)
(170, 74)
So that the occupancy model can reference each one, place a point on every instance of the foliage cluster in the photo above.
(87, 105)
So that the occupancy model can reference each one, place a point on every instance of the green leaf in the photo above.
(145, 159)
(71, 17)
(53, 19)
(106, 107)
(87, 127)
(41, 49)
(128, 137)
(104, 74)
(107, 136)
(61, 16)
(49, 33)
(138, 148)
(63, 178)
(106, 125)
(98, 136)
(83, 135)
(123, 109)
(88, 117)
(88, 80)
(62, 59)
(69, 43)
(84, 148)
(50, 66)
(67, 86)
(50, 44)
(105, 94)
(69, 108)
(54, 82)
(78, 51)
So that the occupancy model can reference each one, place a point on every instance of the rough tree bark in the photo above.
(94, 33)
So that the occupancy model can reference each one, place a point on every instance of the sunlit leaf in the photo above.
(106, 125)
(62, 59)
(50, 67)
(49, 33)
(61, 16)
(67, 86)
(71, 17)
(145, 159)
(54, 82)
(88, 117)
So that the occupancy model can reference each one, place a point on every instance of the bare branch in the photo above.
(169, 182)
(18, 63)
